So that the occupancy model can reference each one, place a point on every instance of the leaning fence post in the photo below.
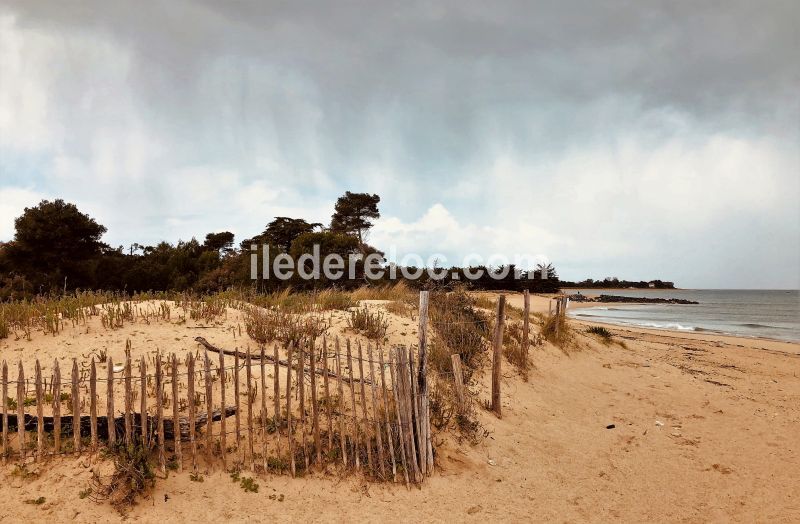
(289, 409)
(497, 343)
(250, 410)
(357, 460)
(263, 408)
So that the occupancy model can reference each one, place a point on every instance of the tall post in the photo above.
(497, 343)
(526, 332)
(426, 458)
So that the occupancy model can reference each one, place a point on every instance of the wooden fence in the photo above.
(283, 410)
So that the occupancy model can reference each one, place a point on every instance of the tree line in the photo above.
(57, 248)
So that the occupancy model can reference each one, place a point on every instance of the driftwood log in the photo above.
(31, 424)
(242, 355)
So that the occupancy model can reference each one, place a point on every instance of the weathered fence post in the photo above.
(397, 409)
(277, 392)
(176, 421)
(223, 437)
(110, 427)
(328, 407)
(386, 415)
(249, 366)
(375, 419)
(39, 413)
(526, 330)
(426, 450)
(191, 406)
(21, 410)
(312, 362)
(340, 404)
(364, 410)
(92, 403)
(56, 407)
(162, 463)
(76, 408)
(143, 402)
(128, 398)
(263, 408)
(209, 407)
(289, 409)
(5, 412)
(497, 343)
(357, 460)
(238, 416)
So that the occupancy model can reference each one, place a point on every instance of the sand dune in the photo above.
(704, 428)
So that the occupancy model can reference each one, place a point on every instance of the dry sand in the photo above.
(705, 428)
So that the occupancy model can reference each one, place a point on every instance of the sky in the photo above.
(635, 139)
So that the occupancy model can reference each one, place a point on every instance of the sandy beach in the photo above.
(702, 428)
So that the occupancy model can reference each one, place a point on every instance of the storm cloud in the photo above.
(636, 139)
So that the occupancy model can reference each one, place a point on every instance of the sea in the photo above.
(771, 314)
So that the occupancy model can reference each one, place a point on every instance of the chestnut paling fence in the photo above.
(279, 409)
(283, 410)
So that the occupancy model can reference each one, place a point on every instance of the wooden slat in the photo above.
(398, 409)
(314, 405)
(5, 411)
(223, 437)
(76, 409)
(357, 460)
(39, 413)
(92, 403)
(289, 410)
(386, 414)
(277, 392)
(417, 421)
(407, 373)
(263, 431)
(176, 421)
(128, 399)
(340, 404)
(367, 440)
(328, 407)
(250, 411)
(301, 387)
(191, 407)
(21, 411)
(162, 462)
(209, 406)
(143, 429)
(56, 407)
(375, 413)
(112, 433)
